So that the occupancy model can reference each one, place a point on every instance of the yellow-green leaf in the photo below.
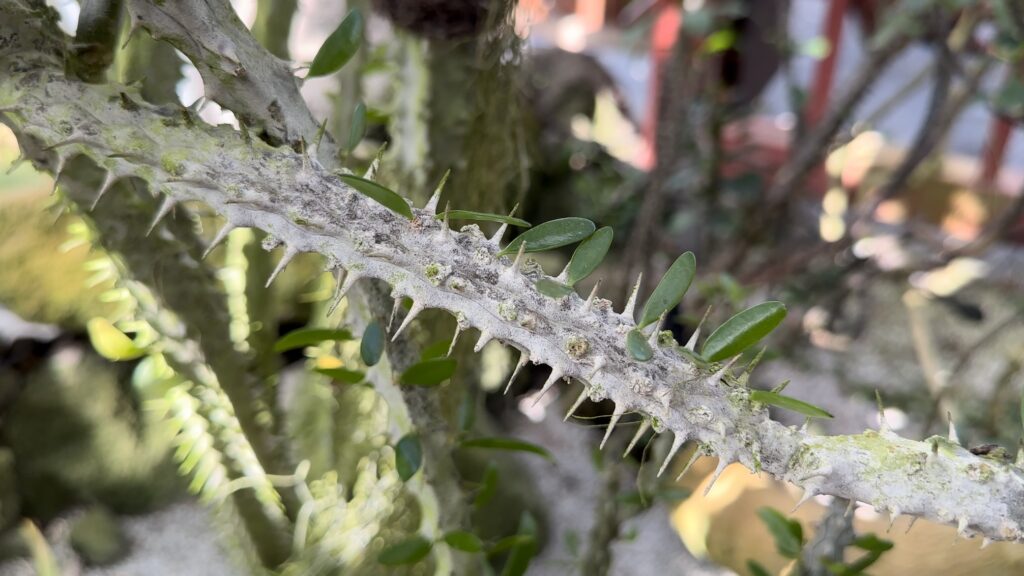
(670, 291)
(484, 217)
(743, 330)
(110, 342)
(788, 403)
(408, 551)
(465, 541)
(636, 344)
(588, 255)
(408, 456)
(552, 234)
(384, 196)
(429, 372)
(309, 337)
(339, 47)
(372, 346)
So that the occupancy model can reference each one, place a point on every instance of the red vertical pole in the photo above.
(663, 37)
(825, 72)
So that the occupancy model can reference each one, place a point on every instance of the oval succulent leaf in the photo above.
(342, 375)
(743, 330)
(636, 344)
(408, 551)
(552, 288)
(588, 255)
(358, 126)
(484, 217)
(552, 234)
(507, 444)
(464, 541)
(110, 342)
(372, 346)
(339, 47)
(429, 372)
(309, 337)
(408, 456)
(670, 291)
(788, 534)
(788, 403)
(386, 197)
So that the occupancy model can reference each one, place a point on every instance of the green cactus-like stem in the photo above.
(294, 199)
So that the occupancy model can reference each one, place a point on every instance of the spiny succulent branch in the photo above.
(308, 209)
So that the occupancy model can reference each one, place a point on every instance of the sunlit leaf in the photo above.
(110, 342)
(309, 337)
(408, 551)
(357, 128)
(588, 255)
(339, 47)
(484, 217)
(636, 344)
(382, 195)
(342, 375)
(507, 444)
(429, 372)
(408, 456)
(743, 330)
(788, 534)
(552, 288)
(670, 291)
(552, 234)
(372, 346)
(465, 541)
(788, 403)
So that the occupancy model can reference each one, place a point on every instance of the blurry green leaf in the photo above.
(436, 350)
(552, 234)
(872, 543)
(506, 444)
(358, 126)
(788, 534)
(408, 456)
(552, 288)
(466, 414)
(756, 569)
(818, 48)
(372, 346)
(408, 551)
(483, 217)
(339, 47)
(42, 555)
(743, 330)
(488, 486)
(309, 337)
(720, 41)
(382, 195)
(509, 542)
(636, 344)
(788, 403)
(429, 372)
(588, 255)
(670, 290)
(521, 555)
(465, 541)
(110, 342)
(342, 375)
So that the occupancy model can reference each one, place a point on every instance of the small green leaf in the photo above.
(488, 486)
(357, 128)
(636, 344)
(110, 342)
(743, 330)
(384, 196)
(465, 541)
(521, 555)
(436, 350)
(788, 403)
(671, 289)
(756, 569)
(788, 534)
(551, 234)
(466, 413)
(408, 456)
(508, 543)
(552, 288)
(372, 346)
(408, 551)
(483, 217)
(339, 47)
(872, 543)
(309, 337)
(342, 375)
(507, 444)
(429, 372)
(588, 255)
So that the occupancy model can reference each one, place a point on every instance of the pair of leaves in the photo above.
(788, 534)
(309, 337)
(510, 444)
(430, 372)
(585, 259)
(551, 234)
(788, 403)
(743, 331)
(339, 47)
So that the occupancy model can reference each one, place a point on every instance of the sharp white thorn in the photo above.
(894, 515)
(717, 376)
(289, 254)
(495, 238)
(108, 181)
(222, 234)
(693, 458)
(631, 303)
(446, 230)
(652, 340)
(455, 338)
(691, 344)
(808, 494)
(645, 425)
(485, 337)
(722, 463)
(165, 207)
(677, 443)
(593, 294)
(524, 357)
(394, 311)
(961, 526)
(518, 260)
(575, 405)
(555, 376)
(413, 313)
(985, 542)
(952, 430)
(435, 198)
(371, 172)
(913, 519)
(620, 409)
(599, 363)
(343, 282)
